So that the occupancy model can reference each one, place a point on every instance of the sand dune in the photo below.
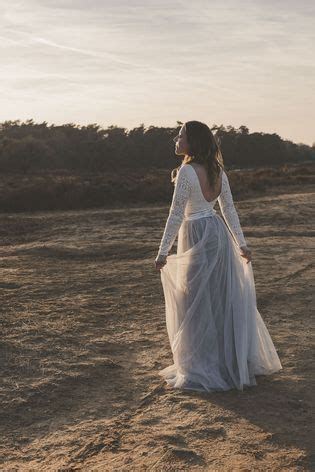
(84, 336)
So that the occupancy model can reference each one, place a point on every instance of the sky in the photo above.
(156, 62)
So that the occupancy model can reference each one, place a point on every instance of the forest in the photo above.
(71, 167)
(28, 147)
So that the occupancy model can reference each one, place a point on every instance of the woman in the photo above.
(218, 338)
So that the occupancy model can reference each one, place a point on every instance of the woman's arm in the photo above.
(229, 212)
(176, 213)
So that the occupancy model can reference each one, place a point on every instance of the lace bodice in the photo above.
(188, 202)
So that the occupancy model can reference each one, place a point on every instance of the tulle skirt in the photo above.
(217, 336)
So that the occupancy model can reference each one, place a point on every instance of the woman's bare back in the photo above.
(209, 193)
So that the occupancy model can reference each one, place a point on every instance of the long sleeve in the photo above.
(181, 194)
(229, 212)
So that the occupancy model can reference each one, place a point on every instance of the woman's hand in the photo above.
(160, 262)
(246, 253)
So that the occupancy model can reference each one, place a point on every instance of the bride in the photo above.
(218, 338)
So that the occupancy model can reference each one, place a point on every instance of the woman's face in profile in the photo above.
(181, 143)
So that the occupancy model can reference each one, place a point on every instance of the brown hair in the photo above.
(204, 149)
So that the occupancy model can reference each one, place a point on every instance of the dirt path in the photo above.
(84, 337)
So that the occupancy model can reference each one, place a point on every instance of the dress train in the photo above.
(218, 338)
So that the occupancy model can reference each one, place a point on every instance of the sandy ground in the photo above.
(84, 336)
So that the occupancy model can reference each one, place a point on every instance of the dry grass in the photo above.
(66, 191)
(84, 336)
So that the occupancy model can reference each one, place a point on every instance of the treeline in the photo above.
(28, 147)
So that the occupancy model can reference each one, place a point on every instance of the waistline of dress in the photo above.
(200, 214)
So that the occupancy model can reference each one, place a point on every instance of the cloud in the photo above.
(142, 60)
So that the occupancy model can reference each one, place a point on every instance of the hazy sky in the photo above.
(127, 62)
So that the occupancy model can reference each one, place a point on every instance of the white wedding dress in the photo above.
(218, 338)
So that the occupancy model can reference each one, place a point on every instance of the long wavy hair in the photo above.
(203, 148)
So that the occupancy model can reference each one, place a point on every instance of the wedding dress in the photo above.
(217, 336)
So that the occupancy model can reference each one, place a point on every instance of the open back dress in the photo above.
(217, 336)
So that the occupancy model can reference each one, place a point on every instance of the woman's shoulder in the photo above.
(187, 169)
(184, 174)
(184, 170)
(189, 166)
